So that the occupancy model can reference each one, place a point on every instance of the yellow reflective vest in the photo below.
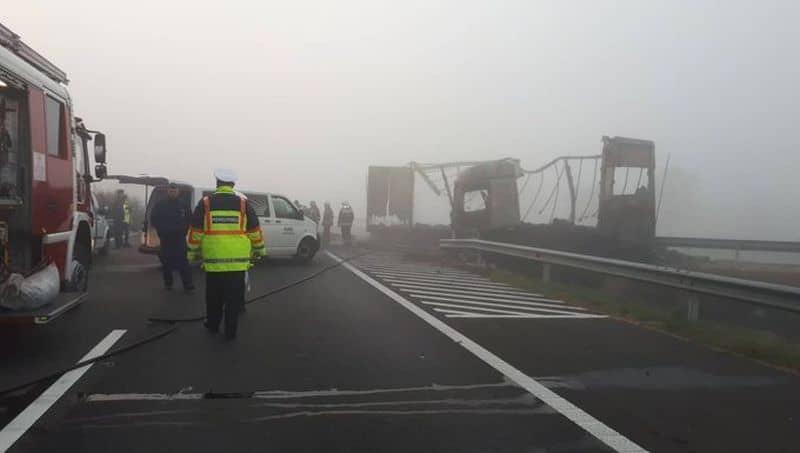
(126, 212)
(225, 232)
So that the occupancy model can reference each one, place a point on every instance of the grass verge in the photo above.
(759, 345)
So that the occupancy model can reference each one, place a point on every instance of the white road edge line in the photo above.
(593, 426)
(22, 422)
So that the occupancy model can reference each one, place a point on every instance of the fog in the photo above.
(300, 97)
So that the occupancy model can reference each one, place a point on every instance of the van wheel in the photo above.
(79, 282)
(306, 250)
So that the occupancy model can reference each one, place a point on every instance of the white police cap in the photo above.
(225, 175)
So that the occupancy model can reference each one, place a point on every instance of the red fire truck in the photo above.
(45, 181)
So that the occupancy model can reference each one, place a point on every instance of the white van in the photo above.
(101, 228)
(287, 232)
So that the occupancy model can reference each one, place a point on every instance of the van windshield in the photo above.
(160, 193)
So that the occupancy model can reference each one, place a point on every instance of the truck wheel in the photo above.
(80, 269)
(106, 245)
(306, 250)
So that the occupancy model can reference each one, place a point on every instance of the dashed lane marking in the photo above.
(595, 427)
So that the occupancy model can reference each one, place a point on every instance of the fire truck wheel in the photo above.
(80, 269)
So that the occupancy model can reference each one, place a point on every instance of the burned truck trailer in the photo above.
(486, 203)
(485, 200)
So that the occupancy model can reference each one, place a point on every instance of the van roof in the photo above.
(211, 189)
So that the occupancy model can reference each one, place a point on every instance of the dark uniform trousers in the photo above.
(173, 256)
(224, 290)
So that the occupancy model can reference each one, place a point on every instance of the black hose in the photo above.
(165, 332)
(267, 294)
(83, 363)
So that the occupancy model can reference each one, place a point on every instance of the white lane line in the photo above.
(494, 297)
(432, 271)
(464, 304)
(577, 415)
(439, 278)
(564, 308)
(22, 422)
(488, 292)
(456, 283)
(481, 316)
(487, 310)
(421, 272)
(519, 303)
(447, 311)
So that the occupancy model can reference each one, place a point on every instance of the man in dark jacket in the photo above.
(314, 211)
(345, 221)
(171, 218)
(327, 223)
(117, 214)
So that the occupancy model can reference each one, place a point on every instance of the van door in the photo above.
(260, 204)
(286, 225)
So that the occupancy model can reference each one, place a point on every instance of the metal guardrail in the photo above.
(730, 244)
(782, 297)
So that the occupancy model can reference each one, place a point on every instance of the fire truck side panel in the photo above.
(52, 195)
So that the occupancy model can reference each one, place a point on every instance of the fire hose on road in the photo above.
(171, 329)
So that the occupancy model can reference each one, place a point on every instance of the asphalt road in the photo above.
(383, 354)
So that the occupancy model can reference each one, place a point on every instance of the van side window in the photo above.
(54, 111)
(260, 203)
(284, 209)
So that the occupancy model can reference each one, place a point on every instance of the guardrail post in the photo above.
(546, 268)
(693, 312)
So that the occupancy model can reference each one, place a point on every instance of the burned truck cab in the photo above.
(486, 196)
(627, 205)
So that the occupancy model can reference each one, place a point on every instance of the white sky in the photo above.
(300, 97)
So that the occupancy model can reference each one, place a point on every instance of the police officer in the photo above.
(126, 221)
(118, 216)
(226, 235)
(327, 223)
(314, 211)
(171, 218)
(345, 221)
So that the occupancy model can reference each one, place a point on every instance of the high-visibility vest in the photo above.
(223, 241)
(126, 212)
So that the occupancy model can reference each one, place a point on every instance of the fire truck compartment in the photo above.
(64, 302)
